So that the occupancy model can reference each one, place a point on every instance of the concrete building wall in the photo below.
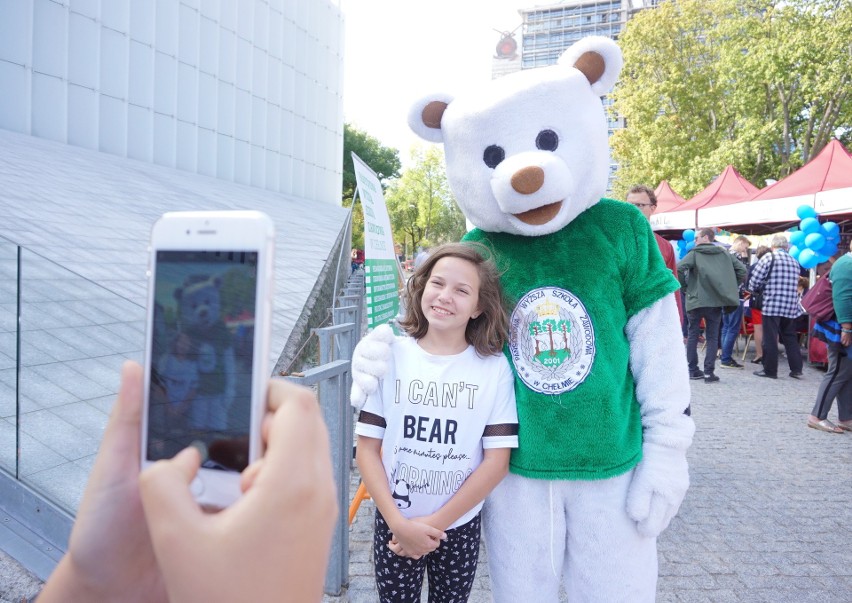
(248, 91)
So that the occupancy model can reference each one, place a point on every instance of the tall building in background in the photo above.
(549, 30)
(507, 55)
(248, 91)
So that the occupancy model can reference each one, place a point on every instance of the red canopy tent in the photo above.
(825, 182)
(835, 197)
(728, 187)
(667, 199)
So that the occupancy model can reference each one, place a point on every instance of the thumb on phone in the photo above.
(250, 474)
(169, 505)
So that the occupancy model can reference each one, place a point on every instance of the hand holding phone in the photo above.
(274, 541)
(208, 328)
(110, 556)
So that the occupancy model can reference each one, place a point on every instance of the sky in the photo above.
(397, 51)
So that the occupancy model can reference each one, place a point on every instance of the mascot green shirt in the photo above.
(567, 344)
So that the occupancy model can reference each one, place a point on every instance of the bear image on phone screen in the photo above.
(202, 355)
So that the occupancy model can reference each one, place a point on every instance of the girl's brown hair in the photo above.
(487, 332)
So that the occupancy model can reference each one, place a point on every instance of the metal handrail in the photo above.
(332, 380)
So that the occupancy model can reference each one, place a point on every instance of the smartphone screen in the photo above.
(202, 347)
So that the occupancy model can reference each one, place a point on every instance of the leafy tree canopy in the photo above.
(383, 160)
(423, 211)
(759, 84)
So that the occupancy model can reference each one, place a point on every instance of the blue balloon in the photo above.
(798, 238)
(809, 225)
(690, 245)
(681, 244)
(808, 259)
(689, 235)
(806, 211)
(821, 257)
(830, 229)
(794, 252)
(814, 241)
(829, 249)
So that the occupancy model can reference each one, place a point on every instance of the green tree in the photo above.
(237, 292)
(760, 84)
(422, 208)
(383, 160)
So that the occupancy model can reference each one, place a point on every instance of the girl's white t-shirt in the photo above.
(180, 376)
(435, 415)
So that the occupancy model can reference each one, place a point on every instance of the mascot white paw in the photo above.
(658, 487)
(370, 363)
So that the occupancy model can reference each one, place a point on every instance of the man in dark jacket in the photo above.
(711, 277)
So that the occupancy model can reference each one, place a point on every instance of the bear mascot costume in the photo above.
(600, 373)
(201, 318)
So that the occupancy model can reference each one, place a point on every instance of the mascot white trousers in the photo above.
(541, 534)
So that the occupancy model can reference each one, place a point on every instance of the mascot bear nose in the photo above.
(528, 180)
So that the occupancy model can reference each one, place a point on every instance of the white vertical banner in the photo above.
(380, 262)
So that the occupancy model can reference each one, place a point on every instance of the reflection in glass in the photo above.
(75, 335)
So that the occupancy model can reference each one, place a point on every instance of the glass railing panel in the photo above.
(75, 334)
(8, 353)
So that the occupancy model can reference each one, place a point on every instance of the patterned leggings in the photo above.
(452, 566)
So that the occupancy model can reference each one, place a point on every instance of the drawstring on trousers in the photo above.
(552, 556)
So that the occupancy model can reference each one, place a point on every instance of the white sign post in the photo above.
(380, 263)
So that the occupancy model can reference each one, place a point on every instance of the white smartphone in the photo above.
(210, 279)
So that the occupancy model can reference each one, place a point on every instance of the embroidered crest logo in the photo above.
(552, 340)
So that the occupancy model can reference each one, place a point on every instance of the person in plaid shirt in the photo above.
(780, 307)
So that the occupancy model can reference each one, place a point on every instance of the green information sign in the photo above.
(382, 291)
(380, 264)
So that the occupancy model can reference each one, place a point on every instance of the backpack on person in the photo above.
(817, 302)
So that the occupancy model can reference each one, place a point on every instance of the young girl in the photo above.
(434, 440)
(179, 371)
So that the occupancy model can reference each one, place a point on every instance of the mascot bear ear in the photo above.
(425, 115)
(598, 58)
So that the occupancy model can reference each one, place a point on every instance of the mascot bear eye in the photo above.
(493, 155)
(547, 140)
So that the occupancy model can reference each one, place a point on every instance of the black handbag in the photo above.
(756, 300)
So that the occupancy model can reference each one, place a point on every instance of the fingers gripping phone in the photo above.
(207, 344)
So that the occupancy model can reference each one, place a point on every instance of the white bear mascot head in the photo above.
(528, 152)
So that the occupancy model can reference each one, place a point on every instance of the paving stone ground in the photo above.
(15, 581)
(768, 518)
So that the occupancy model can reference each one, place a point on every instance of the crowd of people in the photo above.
(723, 289)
